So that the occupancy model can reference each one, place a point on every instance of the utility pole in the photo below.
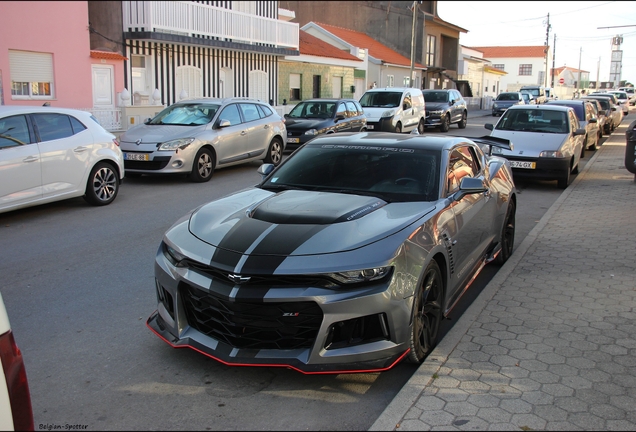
(553, 58)
(411, 80)
(547, 48)
(598, 73)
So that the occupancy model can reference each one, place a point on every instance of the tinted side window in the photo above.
(231, 114)
(77, 125)
(359, 108)
(265, 110)
(250, 112)
(14, 131)
(461, 164)
(53, 126)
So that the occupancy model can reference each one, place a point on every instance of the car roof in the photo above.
(388, 139)
(20, 109)
(220, 101)
(329, 100)
(548, 106)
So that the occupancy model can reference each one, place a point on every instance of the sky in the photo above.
(575, 23)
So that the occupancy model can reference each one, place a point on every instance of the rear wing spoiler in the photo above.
(493, 142)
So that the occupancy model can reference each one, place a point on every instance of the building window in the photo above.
(389, 80)
(31, 75)
(294, 87)
(525, 69)
(430, 50)
(407, 82)
(499, 66)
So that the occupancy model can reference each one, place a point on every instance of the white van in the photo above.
(394, 109)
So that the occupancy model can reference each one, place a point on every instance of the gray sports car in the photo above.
(344, 258)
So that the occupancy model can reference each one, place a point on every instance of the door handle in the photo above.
(266, 127)
(80, 149)
(243, 133)
(30, 159)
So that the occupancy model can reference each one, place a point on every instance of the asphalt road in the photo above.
(78, 285)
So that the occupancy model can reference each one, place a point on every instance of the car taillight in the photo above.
(116, 142)
(17, 383)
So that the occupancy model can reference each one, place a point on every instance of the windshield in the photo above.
(408, 175)
(186, 115)
(532, 120)
(533, 92)
(381, 99)
(508, 97)
(436, 96)
(311, 109)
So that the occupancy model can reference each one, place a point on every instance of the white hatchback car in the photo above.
(49, 154)
(194, 137)
(16, 412)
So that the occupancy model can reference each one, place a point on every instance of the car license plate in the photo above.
(136, 156)
(369, 127)
(524, 165)
(293, 140)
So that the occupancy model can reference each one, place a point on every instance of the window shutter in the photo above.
(27, 66)
(294, 81)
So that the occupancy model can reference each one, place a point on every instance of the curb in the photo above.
(393, 414)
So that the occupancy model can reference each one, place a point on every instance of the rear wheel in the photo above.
(103, 185)
(445, 124)
(274, 152)
(427, 314)
(203, 166)
(462, 123)
(507, 235)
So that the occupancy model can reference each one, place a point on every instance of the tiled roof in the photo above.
(495, 70)
(107, 55)
(375, 48)
(571, 69)
(512, 51)
(311, 45)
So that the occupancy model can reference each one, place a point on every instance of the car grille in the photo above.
(156, 164)
(252, 324)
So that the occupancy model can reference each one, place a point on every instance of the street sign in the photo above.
(561, 80)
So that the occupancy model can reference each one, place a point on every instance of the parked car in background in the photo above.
(505, 101)
(537, 91)
(49, 154)
(16, 412)
(528, 98)
(612, 111)
(197, 136)
(314, 117)
(587, 120)
(623, 100)
(547, 141)
(345, 258)
(394, 109)
(599, 113)
(614, 100)
(630, 93)
(445, 107)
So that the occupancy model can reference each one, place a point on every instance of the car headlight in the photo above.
(388, 113)
(551, 154)
(496, 105)
(180, 143)
(311, 132)
(437, 112)
(173, 255)
(357, 276)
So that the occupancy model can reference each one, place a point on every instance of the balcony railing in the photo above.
(200, 20)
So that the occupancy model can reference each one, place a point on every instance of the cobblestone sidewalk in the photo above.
(550, 344)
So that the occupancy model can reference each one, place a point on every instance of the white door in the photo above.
(103, 87)
(336, 83)
(359, 83)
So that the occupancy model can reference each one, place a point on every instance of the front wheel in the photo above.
(421, 127)
(507, 235)
(203, 166)
(564, 181)
(445, 124)
(274, 152)
(427, 314)
(103, 185)
(462, 123)
(398, 128)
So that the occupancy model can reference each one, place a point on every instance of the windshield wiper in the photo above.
(281, 187)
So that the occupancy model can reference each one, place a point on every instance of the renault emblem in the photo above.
(238, 279)
(138, 141)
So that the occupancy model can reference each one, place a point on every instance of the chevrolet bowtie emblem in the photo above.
(238, 279)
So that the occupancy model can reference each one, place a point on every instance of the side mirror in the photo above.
(469, 186)
(579, 132)
(265, 169)
(339, 117)
(489, 126)
(224, 123)
(148, 120)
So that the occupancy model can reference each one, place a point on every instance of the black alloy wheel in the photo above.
(462, 123)
(507, 235)
(427, 314)
(445, 124)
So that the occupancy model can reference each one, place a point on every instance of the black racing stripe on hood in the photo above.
(277, 246)
(237, 240)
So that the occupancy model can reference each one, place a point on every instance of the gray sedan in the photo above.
(345, 258)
